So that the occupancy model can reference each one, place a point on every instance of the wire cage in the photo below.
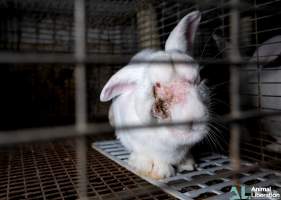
(56, 56)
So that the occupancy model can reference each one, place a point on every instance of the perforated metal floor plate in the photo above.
(212, 179)
(48, 171)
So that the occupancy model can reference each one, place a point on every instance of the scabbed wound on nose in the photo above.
(173, 92)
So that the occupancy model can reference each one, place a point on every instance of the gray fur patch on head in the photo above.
(144, 55)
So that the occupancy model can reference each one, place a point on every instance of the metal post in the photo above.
(234, 87)
(80, 95)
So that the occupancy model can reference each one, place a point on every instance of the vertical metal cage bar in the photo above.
(259, 71)
(80, 71)
(80, 95)
(234, 86)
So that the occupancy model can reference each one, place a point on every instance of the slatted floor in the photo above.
(212, 180)
(48, 171)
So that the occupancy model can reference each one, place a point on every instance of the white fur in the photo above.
(177, 39)
(154, 151)
(187, 164)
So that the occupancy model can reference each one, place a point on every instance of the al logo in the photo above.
(236, 194)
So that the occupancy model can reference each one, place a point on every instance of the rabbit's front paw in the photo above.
(141, 164)
(187, 164)
(161, 170)
(146, 166)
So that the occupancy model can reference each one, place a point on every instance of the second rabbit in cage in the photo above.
(166, 87)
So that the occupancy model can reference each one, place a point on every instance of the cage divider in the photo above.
(80, 95)
(234, 89)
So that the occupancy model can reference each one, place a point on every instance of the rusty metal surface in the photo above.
(48, 171)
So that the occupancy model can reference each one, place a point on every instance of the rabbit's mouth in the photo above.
(187, 130)
(192, 132)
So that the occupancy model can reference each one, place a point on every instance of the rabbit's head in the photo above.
(166, 87)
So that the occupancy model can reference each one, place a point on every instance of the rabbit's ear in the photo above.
(121, 82)
(268, 51)
(182, 37)
(126, 79)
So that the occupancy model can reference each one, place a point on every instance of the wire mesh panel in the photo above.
(48, 26)
(48, 171)
(57, 55)
(261, 90)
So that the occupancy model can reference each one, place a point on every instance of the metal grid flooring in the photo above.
(212, 180)
(48, 171)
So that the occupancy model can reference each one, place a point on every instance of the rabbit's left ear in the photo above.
(182, 37)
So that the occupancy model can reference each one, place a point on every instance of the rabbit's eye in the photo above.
(195, 81)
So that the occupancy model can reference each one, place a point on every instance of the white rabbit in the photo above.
(155, 92)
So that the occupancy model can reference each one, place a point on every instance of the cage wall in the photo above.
(36, 27)
(36, 95)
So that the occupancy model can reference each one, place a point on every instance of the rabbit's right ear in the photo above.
(121, 82)
(182, 37)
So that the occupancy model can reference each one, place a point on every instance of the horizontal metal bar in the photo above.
(257, 153)
(29, 135)
(256, 149)
(48, 58)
